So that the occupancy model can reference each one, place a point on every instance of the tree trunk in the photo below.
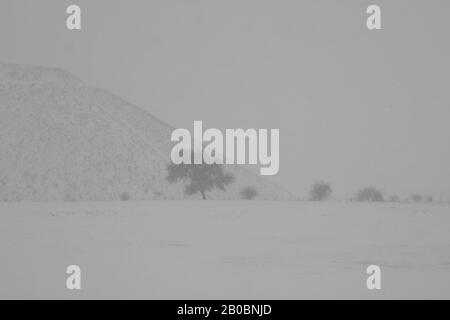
(203, 194)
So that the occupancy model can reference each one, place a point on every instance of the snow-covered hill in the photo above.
(63, 140)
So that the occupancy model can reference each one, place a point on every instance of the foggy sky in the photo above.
(354, 107)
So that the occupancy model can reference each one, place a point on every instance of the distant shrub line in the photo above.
(203, 178)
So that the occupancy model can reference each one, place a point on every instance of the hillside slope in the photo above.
(63, 140)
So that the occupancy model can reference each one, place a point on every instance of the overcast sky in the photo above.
(354, 107)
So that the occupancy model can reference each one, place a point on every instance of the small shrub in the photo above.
(249, 193)
(320, 191)
(417, 198)
(124, 196)
(369, 194)
(394, 198)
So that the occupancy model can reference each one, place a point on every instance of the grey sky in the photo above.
(354, 107)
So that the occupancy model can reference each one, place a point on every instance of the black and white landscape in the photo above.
(86, 176)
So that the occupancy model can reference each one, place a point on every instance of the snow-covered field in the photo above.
(227, 249)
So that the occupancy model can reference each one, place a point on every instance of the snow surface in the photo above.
(224, 249)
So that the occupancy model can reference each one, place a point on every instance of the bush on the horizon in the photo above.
(420, 198)
(394, 198)
(249, 193)
(124, 196)
(320, 191)
(370, 194)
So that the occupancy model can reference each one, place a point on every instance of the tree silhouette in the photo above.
(200, 177)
